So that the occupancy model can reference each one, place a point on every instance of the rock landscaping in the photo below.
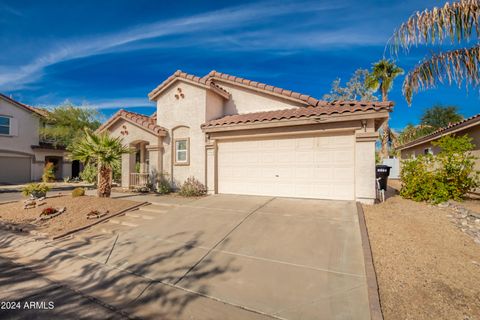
(55, 216)
(465, 219)
(427, 267)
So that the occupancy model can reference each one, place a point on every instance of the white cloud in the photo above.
(216, 22)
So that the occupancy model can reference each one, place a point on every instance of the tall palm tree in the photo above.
(381, 77)
(459, 22)
(103, 151)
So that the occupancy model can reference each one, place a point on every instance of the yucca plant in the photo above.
(457, 22)
(103, 151)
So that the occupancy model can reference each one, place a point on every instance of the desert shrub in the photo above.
(66, 179)
(192, 188)
(35, 189)
(89, 173)
(163, 184)
(78, 192)
(48, 172)
(448, 175)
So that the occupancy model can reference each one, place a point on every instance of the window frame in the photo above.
(176, 151)
(9, 126)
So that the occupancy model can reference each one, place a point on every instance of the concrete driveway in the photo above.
(230, 256)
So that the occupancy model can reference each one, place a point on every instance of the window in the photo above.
(181, 151)
(4, 125)
(427, 151)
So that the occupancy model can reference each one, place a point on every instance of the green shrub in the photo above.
(78, 192)
(448, 175)
(89, 173)
(192, 188)
(48, 172)
(163, 184)
(36, 190)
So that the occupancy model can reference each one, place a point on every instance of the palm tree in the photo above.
(382, 76)
(458, 21)
(103, 151)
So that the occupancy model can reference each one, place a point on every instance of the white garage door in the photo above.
(14, 170)
(305, 167)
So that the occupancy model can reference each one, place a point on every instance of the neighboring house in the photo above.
(243, 137)
(423, 145)
(22, 154)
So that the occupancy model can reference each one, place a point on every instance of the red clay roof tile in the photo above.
(325, 108)
(146, 122)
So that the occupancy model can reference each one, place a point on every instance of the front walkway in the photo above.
(223, 256)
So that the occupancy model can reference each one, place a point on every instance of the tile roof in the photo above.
(322, 108)
(207, 83)
(473, 120)
(308, 100)
(36, 110)
(144, 121)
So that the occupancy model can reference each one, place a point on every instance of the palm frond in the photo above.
(457, 21)
(460, 66)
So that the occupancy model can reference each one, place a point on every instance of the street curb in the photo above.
(372, 284)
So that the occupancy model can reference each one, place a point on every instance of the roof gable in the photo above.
(188, 78)
(145, 122)
(34, 110)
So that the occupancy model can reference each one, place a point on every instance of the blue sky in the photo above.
(110, 54)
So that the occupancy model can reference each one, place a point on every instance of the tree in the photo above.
(354, 90)
(381, 77)
(457, 21)
(433, 118)
(66, 123)
(411, 132)
(441, 116)
(104, 152)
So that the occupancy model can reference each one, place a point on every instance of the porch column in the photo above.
(128, 166)
(155, 158)
(142, 157)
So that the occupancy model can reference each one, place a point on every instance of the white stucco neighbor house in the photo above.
(239, 136)
(23, 154)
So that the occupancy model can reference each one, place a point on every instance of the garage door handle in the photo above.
(276, 175)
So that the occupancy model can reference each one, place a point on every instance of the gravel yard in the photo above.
(427, 268)
(75, 215)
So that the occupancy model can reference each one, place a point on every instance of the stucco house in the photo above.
(22, 153)
(239, 136)
(423, 145)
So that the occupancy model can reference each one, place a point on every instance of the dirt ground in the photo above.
(74, 216)
(426, 267)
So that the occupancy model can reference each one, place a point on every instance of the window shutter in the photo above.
(13, 127)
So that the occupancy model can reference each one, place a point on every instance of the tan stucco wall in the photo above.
(473, 132)
(183, 118)
(135, 135)
(247, 100)
(28, 129)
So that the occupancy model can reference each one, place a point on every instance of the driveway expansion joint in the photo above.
(223, 239)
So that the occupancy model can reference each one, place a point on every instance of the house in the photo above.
(423, 145)
(23, 154)
(238, 136)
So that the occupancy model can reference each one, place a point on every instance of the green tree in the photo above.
(411, 132)
(102, 151)
(66, 123)
(381, 78)
(457, 21)
(355, 89)
(440, 116)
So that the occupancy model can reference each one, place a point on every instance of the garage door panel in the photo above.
(310, 167)
(14, 170)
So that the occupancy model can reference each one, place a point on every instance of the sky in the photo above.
(110, 54)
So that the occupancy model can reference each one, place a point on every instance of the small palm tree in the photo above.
(459, 22)
(381, 77)
(103, 151)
